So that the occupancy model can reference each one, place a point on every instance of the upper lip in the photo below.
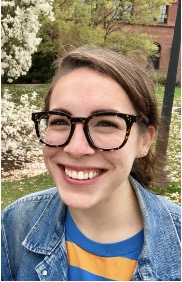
(81, 168)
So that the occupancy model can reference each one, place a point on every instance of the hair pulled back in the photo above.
(134, 80)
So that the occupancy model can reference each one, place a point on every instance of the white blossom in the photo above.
(18, 134)
(19, 27)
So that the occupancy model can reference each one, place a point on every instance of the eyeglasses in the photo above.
(106, 131)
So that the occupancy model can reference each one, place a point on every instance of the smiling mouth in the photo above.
(81, 174)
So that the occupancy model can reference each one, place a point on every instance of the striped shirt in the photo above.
(92, 261)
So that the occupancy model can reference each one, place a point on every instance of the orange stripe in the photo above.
(116, 268)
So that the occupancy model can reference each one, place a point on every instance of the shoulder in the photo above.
(40, 197)
(158, 206)
(24, 212)
(150, 198)
(174, 209)
(28, 212)
(36, 217)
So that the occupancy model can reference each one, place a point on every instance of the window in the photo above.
(163, 16)
(153, 61)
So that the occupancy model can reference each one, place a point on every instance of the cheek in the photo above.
(123, 159)
(133, 146)
(48, 154)
(45, 150)
(118, 175)
(49, 151)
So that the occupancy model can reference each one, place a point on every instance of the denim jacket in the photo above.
(33, 238)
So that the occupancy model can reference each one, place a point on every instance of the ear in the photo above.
(146, 140)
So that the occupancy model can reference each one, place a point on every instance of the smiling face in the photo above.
(86, 177)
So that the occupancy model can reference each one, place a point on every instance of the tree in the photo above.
(107, 23)
(20, 25)
(114, 24)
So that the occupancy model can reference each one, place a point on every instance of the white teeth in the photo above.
(86, 175)
(80, 175)
(91, 175)
(74, 175)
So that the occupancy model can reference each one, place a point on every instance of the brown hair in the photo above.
(147, 170)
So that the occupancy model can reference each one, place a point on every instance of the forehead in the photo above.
(85, 90)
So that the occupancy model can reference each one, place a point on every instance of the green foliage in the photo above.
(41, 70)
(97, 22)
(76, 20)
(160, 79)
(129, 42)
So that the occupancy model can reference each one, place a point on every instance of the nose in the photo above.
(78, 145)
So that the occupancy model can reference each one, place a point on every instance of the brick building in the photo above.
(162, 35)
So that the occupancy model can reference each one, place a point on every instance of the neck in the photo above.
(115, 219)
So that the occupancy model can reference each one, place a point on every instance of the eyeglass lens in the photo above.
(105, 131)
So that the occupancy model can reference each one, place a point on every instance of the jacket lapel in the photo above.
(47, 238)
(161, 250)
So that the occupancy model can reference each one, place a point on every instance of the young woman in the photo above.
(100, 222)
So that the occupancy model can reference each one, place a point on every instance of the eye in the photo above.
(58, 121)
(106, 123)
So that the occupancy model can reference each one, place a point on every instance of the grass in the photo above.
(12, 190)
(17, 90)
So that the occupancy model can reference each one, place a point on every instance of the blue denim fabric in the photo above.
(33, 238)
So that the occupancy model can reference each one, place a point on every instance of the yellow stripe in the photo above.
(116, 268)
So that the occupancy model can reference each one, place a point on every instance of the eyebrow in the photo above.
(103, 110)
(62, 110)
(92, 113)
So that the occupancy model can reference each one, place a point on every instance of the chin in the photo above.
(77, 200)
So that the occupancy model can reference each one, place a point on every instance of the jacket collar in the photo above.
(48, 231)
(161, 249)
(47, 237)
